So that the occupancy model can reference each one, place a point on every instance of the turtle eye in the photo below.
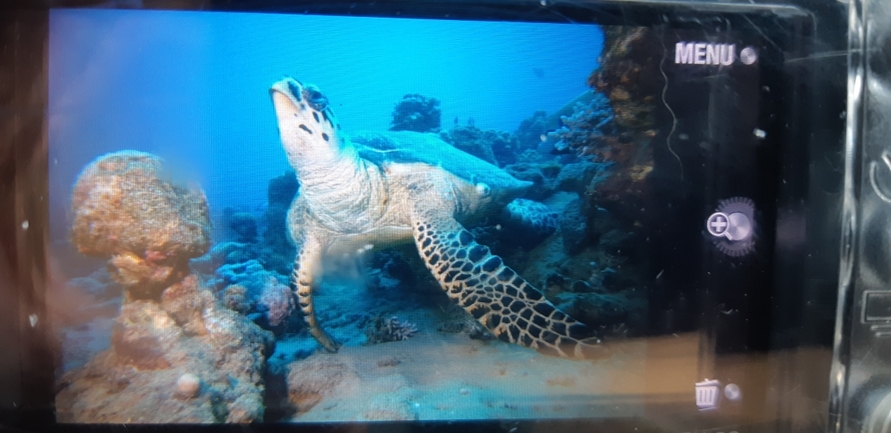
(315, 97)
(483, 189)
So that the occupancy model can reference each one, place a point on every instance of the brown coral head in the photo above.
(123, 205)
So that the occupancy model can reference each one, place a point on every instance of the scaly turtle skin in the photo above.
(400, 187)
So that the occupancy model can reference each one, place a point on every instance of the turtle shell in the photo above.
(396, 147)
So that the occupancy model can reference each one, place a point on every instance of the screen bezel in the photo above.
(26, 169)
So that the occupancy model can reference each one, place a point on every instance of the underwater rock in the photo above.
(245, 409)
(629, 74)
(144, 335)
(617, 241)
(144, 279)
(601, 310)
(389, 269)
(388, 361)
(312, 379)
(187, 386)
(577, 177)
(235, 298)
(573, 226)
(244, 225)
(138, 378)
(416, 113)
(630, 77)
(185, 304)
(149, 228)
(626, 190)
(535, 220)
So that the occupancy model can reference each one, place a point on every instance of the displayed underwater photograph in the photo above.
(290, 218)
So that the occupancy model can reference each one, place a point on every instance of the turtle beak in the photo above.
(286, 95)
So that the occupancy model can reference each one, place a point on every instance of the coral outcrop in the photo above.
(176, 353)
(147, 227)
(629, 75)
(416, 113)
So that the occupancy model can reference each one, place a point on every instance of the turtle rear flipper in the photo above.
(511, 308)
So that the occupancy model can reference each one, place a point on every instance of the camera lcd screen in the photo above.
(322, 218)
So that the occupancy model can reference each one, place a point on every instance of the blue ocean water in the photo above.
(192, 87)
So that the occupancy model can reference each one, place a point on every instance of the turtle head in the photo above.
(306, 125)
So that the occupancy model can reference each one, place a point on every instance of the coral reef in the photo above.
(533, 130)
(384, 329)
(493, 146)
(580, 177)
(223, 253)
(277, 300)
(243, 224)
(416, 113)
(261, 295)
(146, 226)
(277, 252)
(590, 123)
(540, 175)
(250, 274)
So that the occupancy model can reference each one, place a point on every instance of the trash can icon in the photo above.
(708, 394)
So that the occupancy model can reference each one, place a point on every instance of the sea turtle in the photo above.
(388, 188)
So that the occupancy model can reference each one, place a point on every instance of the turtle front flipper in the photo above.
(479, 281)
(308, 264)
